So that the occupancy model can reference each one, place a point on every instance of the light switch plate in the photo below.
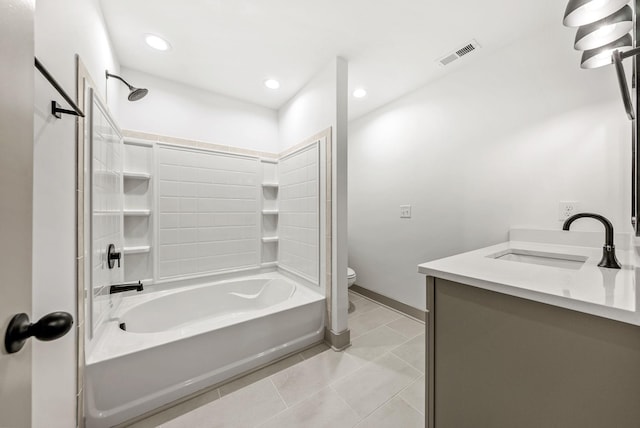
(405, 211)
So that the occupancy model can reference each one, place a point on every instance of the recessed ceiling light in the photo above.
(157, 43)
(359, 93)
(272, 84)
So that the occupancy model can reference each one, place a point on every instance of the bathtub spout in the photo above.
(119, 288)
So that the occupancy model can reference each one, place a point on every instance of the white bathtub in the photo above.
(180, 341)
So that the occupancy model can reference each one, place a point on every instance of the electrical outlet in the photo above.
(567, 208)
(405, 211)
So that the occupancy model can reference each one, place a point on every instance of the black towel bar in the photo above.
(55, 109)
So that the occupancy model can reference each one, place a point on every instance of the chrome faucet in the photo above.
(609, 259)
(119, 288)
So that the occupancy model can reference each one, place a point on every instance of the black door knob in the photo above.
(50, 327)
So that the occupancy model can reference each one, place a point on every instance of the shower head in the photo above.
(135, 94)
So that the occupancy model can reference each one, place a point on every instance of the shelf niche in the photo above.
(270, 213)
(138, 202)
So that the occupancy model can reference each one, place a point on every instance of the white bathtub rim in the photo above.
(128, 313)
(171, 283)
(166, 289)
(112, 342)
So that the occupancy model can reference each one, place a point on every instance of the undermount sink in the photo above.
(565, 261)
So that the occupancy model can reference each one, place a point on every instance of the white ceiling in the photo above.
(231, 46)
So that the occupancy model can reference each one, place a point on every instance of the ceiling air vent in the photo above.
(464, 50)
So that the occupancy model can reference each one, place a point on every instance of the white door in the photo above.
(16, 176)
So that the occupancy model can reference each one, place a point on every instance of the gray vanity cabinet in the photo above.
(498, 361)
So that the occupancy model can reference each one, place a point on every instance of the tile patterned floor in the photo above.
(377, 382)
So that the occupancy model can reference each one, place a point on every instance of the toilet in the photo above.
(351, 276)
(351, 279)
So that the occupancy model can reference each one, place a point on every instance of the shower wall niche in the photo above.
(138, 213)
(270, 212)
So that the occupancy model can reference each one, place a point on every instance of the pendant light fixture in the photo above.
(605, 30)
(583, 12)
(604, 37)
(599, 57)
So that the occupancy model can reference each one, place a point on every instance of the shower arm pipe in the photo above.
(131, 88)
(617, 57)
(55, 109)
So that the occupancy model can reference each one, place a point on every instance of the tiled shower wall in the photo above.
(106, 208)
(298, 227)
(208, 212)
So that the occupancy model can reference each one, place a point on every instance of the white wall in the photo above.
(322, 104)
(62, 29)
(311, 110)
(177, 110)
(53, 276)
(496, 144)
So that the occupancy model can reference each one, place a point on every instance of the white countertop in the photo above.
(609, 293)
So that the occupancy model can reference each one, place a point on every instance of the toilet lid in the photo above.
(350, 273)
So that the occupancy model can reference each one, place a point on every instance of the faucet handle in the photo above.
(113, 255)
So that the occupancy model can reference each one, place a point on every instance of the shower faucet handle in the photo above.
(112, 256)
